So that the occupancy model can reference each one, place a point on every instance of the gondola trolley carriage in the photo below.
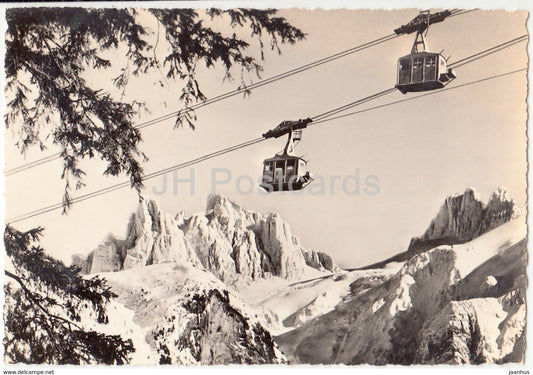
(286, 171)
(422, 70)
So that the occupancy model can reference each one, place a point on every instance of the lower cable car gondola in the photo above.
(285, 171)
(422, 70)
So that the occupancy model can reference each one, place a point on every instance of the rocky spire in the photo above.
(463, 217)
(231, 242)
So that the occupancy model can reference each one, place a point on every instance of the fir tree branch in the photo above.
(32, 298)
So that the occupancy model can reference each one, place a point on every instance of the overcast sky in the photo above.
(416, 153)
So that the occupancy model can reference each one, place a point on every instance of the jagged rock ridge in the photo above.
(227, 240)
(464, 217)
(454, 304)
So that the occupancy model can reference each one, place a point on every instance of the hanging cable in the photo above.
(32, 164)
(271, 79)
(235, 148)
(352, 104)
(455, 64)
(460, 12)
(226, 95)
(128, 183)
(38, 162)
(418, 96)
(488, 51)
(318, 119)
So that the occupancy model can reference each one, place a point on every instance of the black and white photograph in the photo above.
(252, 183)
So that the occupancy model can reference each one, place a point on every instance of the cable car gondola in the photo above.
(422, 70)
(285, 171)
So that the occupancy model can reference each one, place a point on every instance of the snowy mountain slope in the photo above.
(497, 275)
(287, 305)
(478, 330)
(188, 317)
(429, 311)
(175, 274)
(471, 254)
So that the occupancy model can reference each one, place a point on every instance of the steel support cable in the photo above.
(272, 79)
(229, 94)
(418, 96)
(224, 96)
(32, 164)
(128, 183)
(488, 51)
(352, 104)
(456, 64)
(190, 163)
(186, 164)
(240, 146)
(320, 118)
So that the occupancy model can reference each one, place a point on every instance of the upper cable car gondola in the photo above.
(286, 171)
(422, 70)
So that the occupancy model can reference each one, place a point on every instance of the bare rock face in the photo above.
(186, 316)
(285, 257)
(206, 328)
(380, 325)
(227, 240)
(319, 260)
(499, 210)
(231, 241)
(223, 240)
(464, 217)
(155, 237)
(81, 262)
(464, 332)
(107, 257)
(152, 237)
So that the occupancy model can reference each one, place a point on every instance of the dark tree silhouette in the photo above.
(49, 309)
(49, 49)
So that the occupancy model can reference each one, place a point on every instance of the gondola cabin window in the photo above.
(430, 73)
(302, 167)
(405, 71)
(278, 174)
(268, 170)
(418, 69)
(286, 171)
(291, 169)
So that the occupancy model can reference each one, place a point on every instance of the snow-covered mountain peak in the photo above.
(233, 243)
(464, 217)
(501, 195)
